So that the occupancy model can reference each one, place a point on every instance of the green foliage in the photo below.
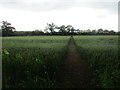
(101, 54)
(33, 62)
(6, 52)
(7, 29)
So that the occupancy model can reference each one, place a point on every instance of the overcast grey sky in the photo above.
(83, 14)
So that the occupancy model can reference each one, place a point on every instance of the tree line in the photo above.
(51, 29)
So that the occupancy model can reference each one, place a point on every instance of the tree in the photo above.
(88, 31)
(100, 31)
(62, 29)
(111, 32)
(94, 32)
(70, 29)
(51, 28)
(106, 31)
(7, 29)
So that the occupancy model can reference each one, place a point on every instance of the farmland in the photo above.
(32, 61)
(101, 54)
(36, 61)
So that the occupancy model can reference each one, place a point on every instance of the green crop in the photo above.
(35, 61)
(32, 62)
(101, 54)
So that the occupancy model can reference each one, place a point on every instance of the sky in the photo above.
(29, 15)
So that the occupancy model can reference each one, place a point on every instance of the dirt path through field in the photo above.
(75, 71)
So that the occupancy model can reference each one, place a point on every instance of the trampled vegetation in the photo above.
(101, 54)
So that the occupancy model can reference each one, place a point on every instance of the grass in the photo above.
(32, 61)
(101, 54)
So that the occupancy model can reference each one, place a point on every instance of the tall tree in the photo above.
(7, 29)
(111, 32)
(72, 30)
(100, 31)
(106, 31)
(51, 27)
(69, 28)
(62, 29)
(88, 31)
(94, 31)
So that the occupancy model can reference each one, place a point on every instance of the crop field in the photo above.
(101, 54)
(32, 61)
(36, 61)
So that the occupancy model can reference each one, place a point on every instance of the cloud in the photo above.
(83, 14)
(82, 18)
(36, 5)
(50, 5)
(111, 7)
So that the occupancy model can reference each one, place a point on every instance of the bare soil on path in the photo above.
(75, 72)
